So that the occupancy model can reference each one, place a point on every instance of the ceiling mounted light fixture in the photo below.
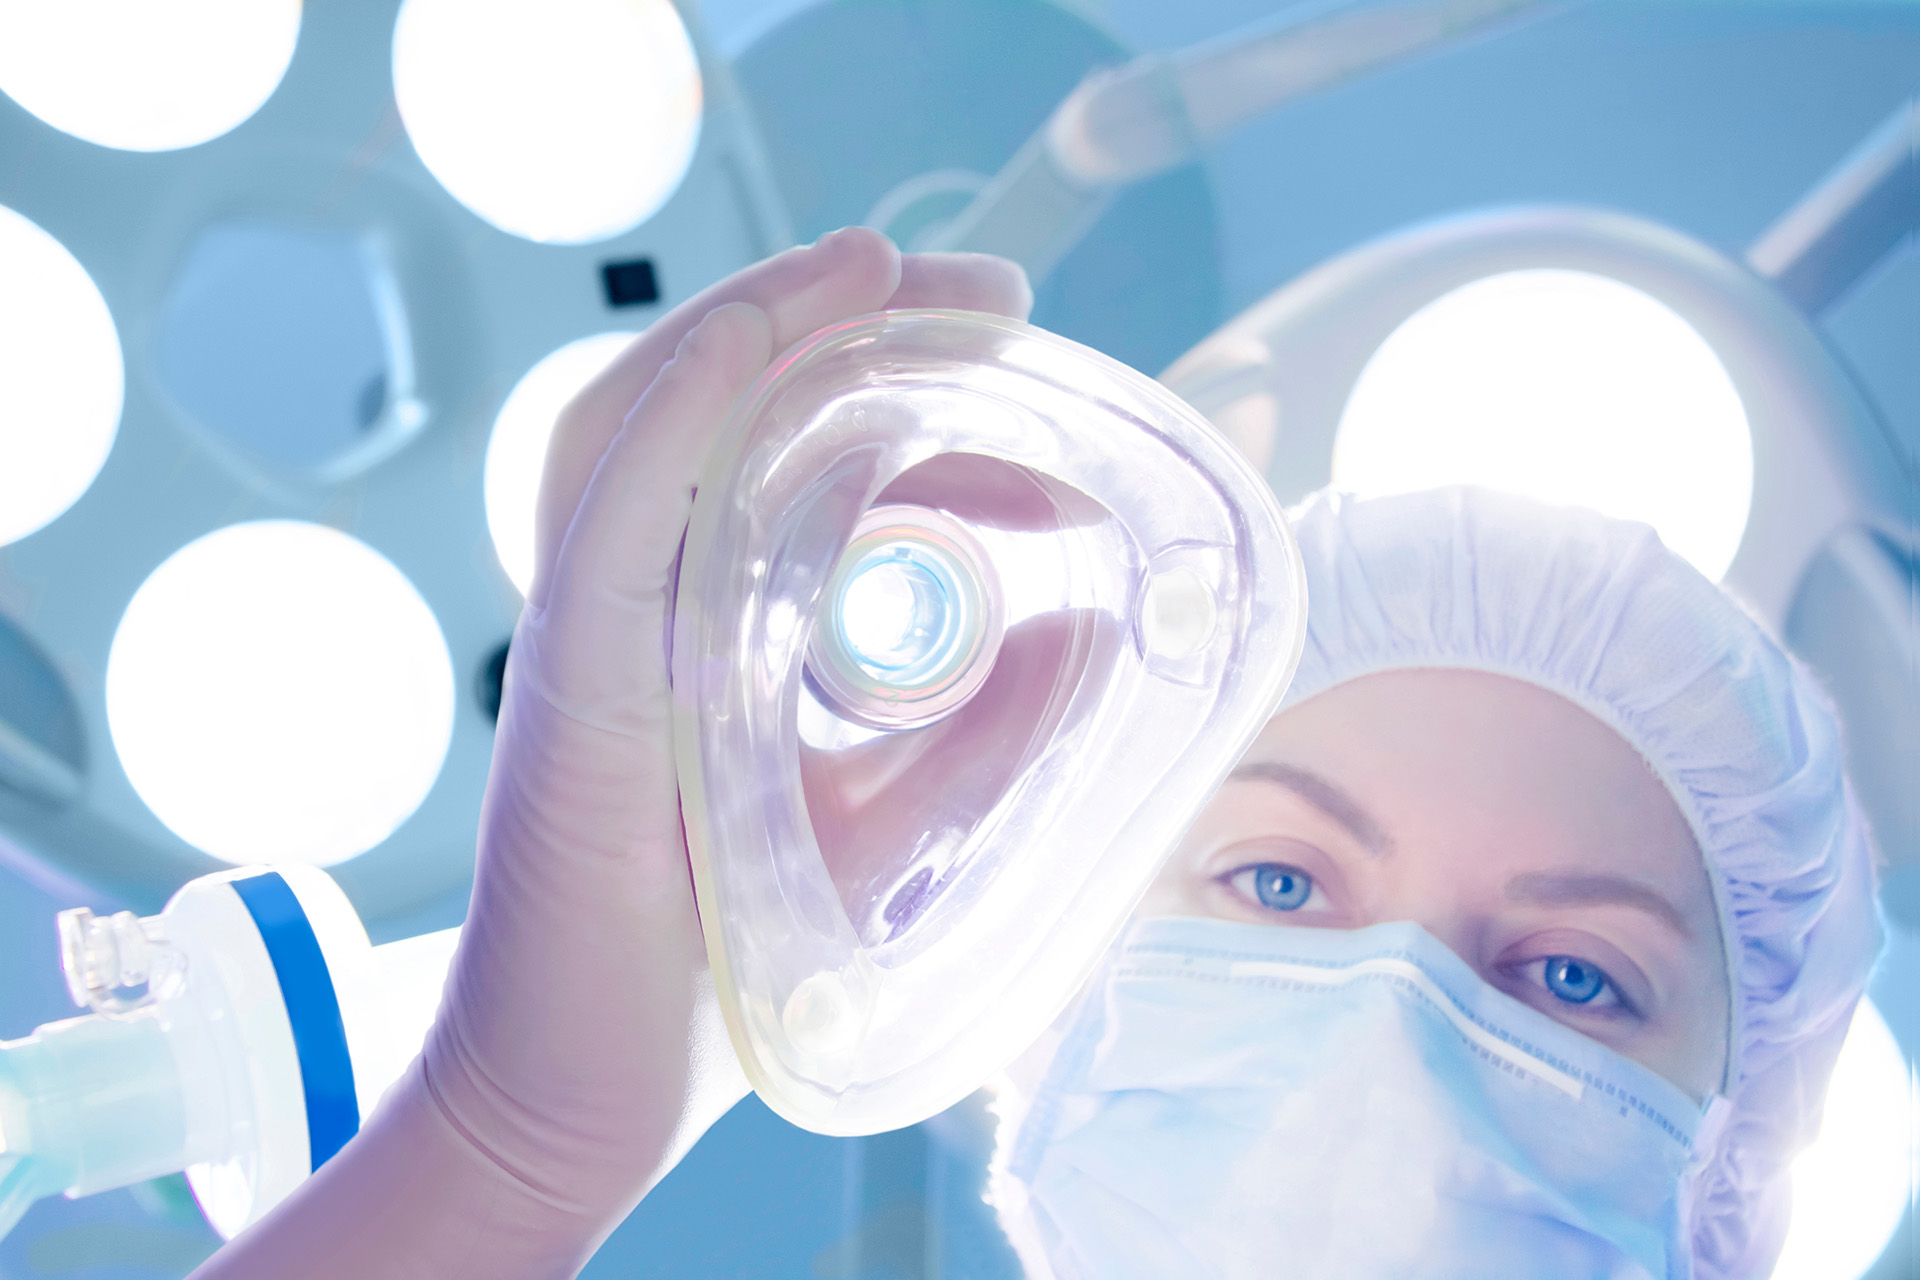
(1853, 1185)
(145, 75)
(517, 450)
(279, 692)
(1564, 386)
(60, 378)
(563, 121)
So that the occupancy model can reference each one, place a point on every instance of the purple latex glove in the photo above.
(579, 1050)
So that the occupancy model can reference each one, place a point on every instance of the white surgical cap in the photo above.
(1598, 611)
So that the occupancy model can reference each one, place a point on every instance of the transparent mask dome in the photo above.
(971, 623)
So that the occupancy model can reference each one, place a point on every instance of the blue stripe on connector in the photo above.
(313, 1011)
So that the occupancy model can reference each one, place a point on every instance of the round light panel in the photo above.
(60, 378)
(563, 121)
(1853, 1185)
(1565, 386)
(517, 450)
(279, 692)
(145, 75)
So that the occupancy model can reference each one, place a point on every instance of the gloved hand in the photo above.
(579, 1050)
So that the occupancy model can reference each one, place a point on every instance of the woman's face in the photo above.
(1512, 825)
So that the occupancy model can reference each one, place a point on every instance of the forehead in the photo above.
(1452, 758)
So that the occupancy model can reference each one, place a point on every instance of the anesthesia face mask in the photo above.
(971, 622)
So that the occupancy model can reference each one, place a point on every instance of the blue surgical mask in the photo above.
(1237, 1101)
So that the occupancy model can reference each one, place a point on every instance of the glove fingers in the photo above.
(582, 941)
(843, 274)
(607, 603)
(964, 281)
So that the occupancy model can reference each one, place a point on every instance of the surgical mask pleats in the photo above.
(1239, 1101)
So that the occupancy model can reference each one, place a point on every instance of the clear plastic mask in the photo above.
(971, 622)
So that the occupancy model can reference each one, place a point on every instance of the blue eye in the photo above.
(1281, 888)
(1574, 980)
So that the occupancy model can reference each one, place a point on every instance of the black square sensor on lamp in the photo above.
(629, 283)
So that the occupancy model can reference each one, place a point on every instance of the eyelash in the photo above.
(1280, 879)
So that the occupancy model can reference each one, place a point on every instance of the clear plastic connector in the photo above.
(117, 964)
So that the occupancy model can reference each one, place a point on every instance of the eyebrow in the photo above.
(1325, 797)
(1576, 889)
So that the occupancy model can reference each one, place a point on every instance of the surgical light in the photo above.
(279, 691)
(1851, 1187)
(60, 377)
(145, 75)
(517, 450)
(1566, 386)
(563, 121)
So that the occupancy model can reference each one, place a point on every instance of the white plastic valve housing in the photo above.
(242, 1036)
(971, 622)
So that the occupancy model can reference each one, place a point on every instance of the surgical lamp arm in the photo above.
(1850, 220)
(1157, 112)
